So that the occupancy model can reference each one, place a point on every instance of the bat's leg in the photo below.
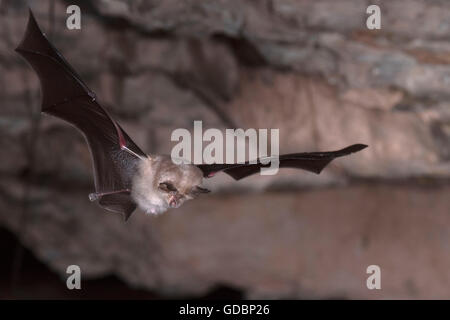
(97, 195)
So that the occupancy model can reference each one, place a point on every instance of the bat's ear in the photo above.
(202, 190)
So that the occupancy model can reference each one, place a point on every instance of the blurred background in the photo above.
(311, 69)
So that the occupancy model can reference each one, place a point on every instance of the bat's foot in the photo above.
(93, 196)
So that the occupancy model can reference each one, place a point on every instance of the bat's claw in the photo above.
(93, 196)
(92, 95)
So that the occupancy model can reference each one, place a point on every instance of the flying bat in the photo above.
(124, 176)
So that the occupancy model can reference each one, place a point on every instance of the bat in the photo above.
(124, 176)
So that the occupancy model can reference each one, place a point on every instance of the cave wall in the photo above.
(308, 68)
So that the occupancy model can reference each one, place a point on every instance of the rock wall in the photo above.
(309, 68)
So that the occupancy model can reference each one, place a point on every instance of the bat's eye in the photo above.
(167, 187)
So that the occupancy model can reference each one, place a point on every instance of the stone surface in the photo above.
(309, 68)
(296, 244)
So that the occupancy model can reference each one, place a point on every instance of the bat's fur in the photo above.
(155, 170)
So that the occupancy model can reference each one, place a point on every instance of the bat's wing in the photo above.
(65, 96)
(312, 161)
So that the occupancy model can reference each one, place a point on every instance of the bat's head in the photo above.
(178, 183)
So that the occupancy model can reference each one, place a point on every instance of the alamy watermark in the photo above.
(74, 280)
(230, 149)
(374, 20)
(73, 21)
(374, 280)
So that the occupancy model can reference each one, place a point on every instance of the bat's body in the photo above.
(125, 177)
(160, 184)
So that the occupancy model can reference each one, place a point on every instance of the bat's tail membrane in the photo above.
(118, 203)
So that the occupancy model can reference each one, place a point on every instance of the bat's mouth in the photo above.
(173, 203)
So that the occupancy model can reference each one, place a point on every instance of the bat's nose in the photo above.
(172, 202)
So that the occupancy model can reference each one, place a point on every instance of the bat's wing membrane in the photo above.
(312, 161)
(65, 96)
